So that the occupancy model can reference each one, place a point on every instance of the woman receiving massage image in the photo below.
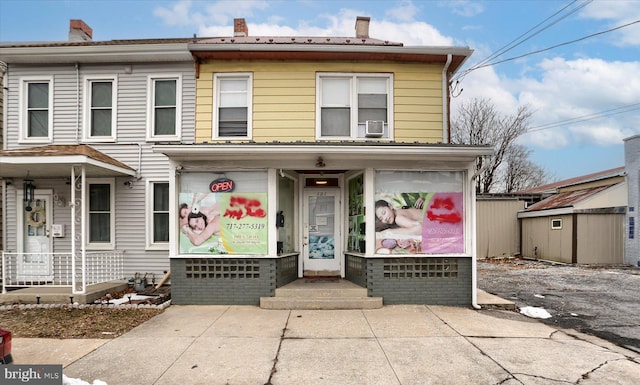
(199, 223)
(403, 221)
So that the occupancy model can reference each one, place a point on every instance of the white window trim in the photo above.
(248, 76)
(23, 120)
(354, 103)
(151, 79)
(150, 244)
(553, 226)
(112, 217)
(87, 108)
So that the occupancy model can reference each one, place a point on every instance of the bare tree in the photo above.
(478, 123)
(520, 172)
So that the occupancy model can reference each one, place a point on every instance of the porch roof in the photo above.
(56, 160)
(335, 155)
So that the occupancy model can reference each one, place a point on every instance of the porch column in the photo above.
(78, 180)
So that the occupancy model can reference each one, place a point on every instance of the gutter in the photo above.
(445, 101)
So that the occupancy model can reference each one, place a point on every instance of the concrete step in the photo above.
(301, 303)
(320, 293)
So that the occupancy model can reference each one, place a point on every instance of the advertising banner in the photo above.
(223, 223)
(419, 223)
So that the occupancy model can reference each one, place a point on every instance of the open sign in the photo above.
(221, 185)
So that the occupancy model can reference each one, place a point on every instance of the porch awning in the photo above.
(56, 160)
(335, 155)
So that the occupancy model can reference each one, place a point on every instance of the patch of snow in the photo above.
(125, 299)
(538, 295)
(535, 312)
(76, 381)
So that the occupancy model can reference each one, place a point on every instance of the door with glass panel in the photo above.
(35, 262)
(321, 232)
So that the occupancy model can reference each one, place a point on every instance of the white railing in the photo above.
(56, 269)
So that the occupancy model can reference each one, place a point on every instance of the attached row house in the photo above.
(238, 164)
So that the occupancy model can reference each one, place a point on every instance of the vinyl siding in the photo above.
(130, 203)
(284, 98)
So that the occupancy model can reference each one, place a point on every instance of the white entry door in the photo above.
(322, 237)
(35, 262)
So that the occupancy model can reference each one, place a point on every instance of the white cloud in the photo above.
(623, 12)
(464, 8)
(405, 12)
(178, 14)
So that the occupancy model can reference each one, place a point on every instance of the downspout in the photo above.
(446, 135)
(77, 103)
(474, 231)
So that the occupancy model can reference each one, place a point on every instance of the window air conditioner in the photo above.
(374, 128)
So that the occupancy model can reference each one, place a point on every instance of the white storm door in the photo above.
(321, 238)
(35, 262)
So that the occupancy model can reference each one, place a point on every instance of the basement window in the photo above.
(556, 224)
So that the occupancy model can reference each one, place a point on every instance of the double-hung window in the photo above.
(232, 106)
(36, 106)
(164, 107)
(158, 215)
(354, 106)
(101, 216)
(100, 109)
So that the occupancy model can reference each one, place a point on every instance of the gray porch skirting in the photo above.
(398, 280)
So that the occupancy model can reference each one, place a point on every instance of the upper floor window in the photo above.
(36, 109)
(232, 101)
(158, 215)
(101, 217)
(354, 106)
(164, 110)
(100, 109)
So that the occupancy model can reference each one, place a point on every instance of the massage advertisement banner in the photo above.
(419, 223)
(223, 223)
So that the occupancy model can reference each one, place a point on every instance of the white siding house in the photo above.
(81, 119)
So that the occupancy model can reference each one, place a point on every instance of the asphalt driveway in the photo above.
(596, 300)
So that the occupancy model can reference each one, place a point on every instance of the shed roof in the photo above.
(566, 199)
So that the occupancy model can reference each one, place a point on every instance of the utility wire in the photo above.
(584, 118)
(553, 47)
(521, 39)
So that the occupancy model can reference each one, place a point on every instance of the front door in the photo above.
(322, 236)
(35, 260)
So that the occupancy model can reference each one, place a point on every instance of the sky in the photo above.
(574, 64)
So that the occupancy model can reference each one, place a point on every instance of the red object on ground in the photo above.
(5, 346)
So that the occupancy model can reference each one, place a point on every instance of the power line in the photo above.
(552, 47)
(584, 118)
(521, 39)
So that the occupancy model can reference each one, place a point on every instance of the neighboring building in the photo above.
(270, 161)
(582, 221)
(2, 182)
(498, 227)
(81, 120)
(632, 169)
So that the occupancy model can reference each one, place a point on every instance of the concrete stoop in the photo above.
(320, 294)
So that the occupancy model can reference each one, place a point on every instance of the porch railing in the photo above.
(56, 269)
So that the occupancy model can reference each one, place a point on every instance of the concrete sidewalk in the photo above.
(402, 344)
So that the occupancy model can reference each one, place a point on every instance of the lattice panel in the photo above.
(222, 268)
(420, 268)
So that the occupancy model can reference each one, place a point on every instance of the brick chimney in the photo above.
(362, 27)
(240, 28)
(79, 31)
